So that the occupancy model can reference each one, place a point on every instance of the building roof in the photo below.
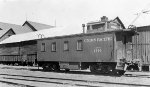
(18, 29)
(3, 32)
(7, 25)
(47, 33)
(37, 26)
(53, 32)
(143, 28)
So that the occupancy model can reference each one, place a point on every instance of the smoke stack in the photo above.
(83, 26)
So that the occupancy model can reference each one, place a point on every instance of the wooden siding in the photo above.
(9, 49)
(140, 46)
(19, 51)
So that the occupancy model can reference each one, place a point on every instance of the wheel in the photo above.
(46, 67)
(110, 70)
(93, 68)
(55, 67)
(122, 72)
(119, 72)
(133, 67)
(67, 70)
(99, 69)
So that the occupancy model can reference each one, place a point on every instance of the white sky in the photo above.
(73, 13)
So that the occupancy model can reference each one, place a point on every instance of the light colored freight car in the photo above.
(138, 53)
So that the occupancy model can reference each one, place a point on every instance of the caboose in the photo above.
(102, 49)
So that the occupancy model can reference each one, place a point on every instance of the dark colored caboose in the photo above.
(102, 50)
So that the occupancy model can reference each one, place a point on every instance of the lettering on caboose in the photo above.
(98, 39)
(97, 50)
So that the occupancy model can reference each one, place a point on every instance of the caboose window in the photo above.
(79, 45)
(88, 27)
(98, 26)
(54, 47)
(66, 45)
(43, 47)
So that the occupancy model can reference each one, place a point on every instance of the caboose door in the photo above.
(104, 49)
(120, 47)
(107, 50)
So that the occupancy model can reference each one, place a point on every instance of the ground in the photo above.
(23, 76)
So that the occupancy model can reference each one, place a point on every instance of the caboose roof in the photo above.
(116, 19)
(48, 33)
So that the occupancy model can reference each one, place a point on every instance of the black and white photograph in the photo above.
(74, 43)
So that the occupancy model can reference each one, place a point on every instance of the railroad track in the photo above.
(63, 81)
(136, 75)
(23, 78)
(13, 84)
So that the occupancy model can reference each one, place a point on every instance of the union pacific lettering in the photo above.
(98, 39)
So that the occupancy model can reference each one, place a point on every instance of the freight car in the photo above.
(138, 52)
(20, 53)
(103, 52)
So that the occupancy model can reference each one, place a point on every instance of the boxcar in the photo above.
(103, 52)
(139, 49)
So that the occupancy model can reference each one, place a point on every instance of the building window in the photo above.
(79, 45)
(66, 45)
(54, 47)
(43, 47)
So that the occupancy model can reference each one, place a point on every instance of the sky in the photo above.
(73, 13)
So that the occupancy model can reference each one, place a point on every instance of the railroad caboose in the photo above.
(104, 52)
(102, 49)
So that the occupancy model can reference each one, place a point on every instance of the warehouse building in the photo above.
(7, 29)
